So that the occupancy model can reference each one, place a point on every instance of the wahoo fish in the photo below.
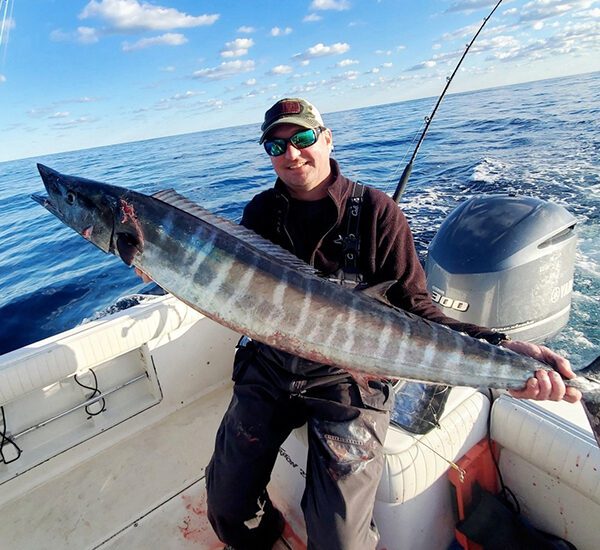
(246, 283)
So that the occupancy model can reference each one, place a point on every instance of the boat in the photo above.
(106, 429)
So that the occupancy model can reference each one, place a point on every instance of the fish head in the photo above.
(86, 206)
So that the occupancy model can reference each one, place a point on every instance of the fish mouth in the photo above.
(44, 200)
(40, 199)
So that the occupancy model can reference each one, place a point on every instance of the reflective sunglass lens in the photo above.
(275, 148)
(304, 139)
(301, 140)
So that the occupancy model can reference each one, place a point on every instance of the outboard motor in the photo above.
(505, 262)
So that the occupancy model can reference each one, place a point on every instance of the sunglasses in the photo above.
(300, 140)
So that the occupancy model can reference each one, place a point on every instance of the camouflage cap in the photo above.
(291, 110)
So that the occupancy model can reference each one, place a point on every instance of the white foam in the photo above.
(489, 170)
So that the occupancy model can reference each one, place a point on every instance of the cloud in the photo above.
(132, 15)
(423, 65)
(237, 47)
(499, 45)
(281, 69)
(39, 112)
(246, 29)
(167, 39)
(536, 10)
(312, 85)
(169, 102)
(575, 38)
(60, 114)
(276, 31)
(349, 75)
(321, 50)
(2, 78)
(84, 99)
(73, 123)
(461, 33)
(312, 18)
(346, 62)
(184, 96)
(338, 5)
(227, 69)
(511, 43)
(250, 82)
(87, 35)
(467, 6)
(83, 35)
(52, 108)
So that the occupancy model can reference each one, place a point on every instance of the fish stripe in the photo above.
(225, 271)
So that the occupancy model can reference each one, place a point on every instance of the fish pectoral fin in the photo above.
(379, 292)
(128, 246)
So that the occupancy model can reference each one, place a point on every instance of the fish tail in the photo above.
(591, 399)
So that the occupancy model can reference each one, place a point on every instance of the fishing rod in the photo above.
(408, 169)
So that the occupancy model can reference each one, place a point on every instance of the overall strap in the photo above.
(351, 240)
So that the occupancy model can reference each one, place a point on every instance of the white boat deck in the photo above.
(154, 479)
(133, 476)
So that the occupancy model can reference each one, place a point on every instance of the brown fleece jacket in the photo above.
(387, 251)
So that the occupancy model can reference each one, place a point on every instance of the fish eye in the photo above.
(70, 197)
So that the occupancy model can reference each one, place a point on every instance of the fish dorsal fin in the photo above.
(379, 292)
(249, 237)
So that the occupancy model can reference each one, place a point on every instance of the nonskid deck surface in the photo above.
(146, 488)
(147, 491)
(181, 523)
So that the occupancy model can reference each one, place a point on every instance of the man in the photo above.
(312, 211)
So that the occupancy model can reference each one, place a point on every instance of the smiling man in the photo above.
(304, 168)
(357, 235)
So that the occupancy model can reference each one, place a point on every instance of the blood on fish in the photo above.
(128, 212)
(129, 216)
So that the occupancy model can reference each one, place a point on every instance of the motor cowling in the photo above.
(505, 262)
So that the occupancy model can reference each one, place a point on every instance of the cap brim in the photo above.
(298, 121)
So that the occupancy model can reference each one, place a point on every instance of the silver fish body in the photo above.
(246, 283)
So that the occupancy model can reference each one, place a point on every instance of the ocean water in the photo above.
(540, 139)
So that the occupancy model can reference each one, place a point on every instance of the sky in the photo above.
(76, 74)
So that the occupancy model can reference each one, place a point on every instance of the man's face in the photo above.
(303, 170)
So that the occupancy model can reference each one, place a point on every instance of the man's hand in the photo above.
(142, 275)
(545, 384)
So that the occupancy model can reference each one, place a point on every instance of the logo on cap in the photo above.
(283, 108)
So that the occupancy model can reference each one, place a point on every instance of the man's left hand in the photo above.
(545, 384)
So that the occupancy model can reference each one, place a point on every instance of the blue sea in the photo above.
(540, 139)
